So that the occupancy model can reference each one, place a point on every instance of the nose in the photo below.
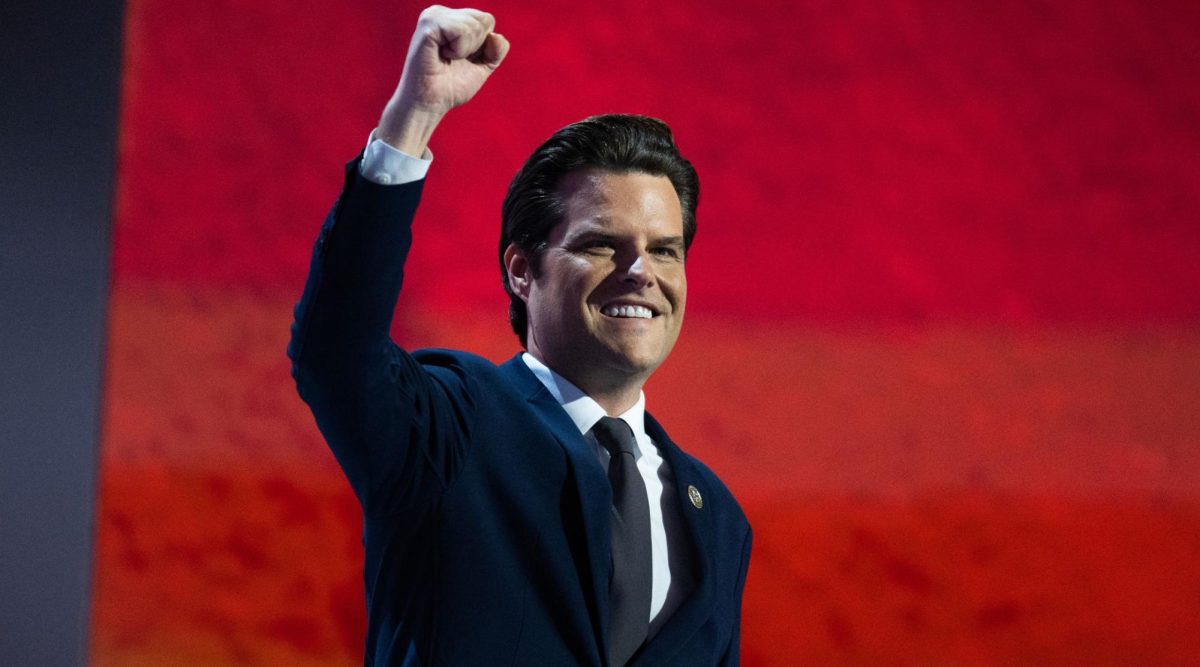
(639, 273)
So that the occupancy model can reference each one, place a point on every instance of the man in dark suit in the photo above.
(530, 513)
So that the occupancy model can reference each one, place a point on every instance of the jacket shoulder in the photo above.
(458, 368)
(456, 361)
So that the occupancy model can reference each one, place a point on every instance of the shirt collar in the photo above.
(580, 407)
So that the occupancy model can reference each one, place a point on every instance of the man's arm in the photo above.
(375, 405)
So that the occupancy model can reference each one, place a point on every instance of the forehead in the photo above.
(619, 202)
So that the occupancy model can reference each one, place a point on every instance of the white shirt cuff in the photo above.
(384, 164)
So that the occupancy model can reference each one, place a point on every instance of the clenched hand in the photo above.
(452, 53)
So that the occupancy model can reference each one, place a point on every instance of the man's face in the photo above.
(607, 303)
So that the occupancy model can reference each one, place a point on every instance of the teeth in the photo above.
(641, 312)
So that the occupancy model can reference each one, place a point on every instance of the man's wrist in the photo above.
(407, 127)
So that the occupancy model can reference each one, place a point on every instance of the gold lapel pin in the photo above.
(694, 495)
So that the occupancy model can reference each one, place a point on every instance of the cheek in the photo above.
(566, 306)
(677, 289)
(592, 284)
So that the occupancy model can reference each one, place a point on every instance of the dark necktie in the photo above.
(630, 586)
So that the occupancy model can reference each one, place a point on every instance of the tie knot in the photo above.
(615, 435)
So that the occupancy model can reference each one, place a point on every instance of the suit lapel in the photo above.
(595, 493)
(697, 522)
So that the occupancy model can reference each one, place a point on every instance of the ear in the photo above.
(519, 273)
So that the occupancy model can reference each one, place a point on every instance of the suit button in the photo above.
(694, 495)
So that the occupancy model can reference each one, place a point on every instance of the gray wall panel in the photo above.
(58, 121)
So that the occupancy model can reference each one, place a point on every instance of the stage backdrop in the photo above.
(943, 338)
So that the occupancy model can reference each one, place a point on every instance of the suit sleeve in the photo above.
(397, 429)
(733, 651)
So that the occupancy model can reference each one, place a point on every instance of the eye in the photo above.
(596, 247)
(667, 252)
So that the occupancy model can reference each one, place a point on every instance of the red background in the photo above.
(943, 338)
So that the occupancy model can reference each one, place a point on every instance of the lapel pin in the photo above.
(694, 495)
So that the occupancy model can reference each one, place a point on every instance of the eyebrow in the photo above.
(597, 235)
(591, 235)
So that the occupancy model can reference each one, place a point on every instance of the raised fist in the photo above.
(452, 53)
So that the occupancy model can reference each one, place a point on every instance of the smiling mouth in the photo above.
(631, 312)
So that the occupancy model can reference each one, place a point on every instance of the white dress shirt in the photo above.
(385, 165)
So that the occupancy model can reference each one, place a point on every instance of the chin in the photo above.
(636, 362)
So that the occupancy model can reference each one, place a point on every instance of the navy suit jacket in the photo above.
(486, 512)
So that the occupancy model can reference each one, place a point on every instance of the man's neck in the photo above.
(615, 396)
(615, 403)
